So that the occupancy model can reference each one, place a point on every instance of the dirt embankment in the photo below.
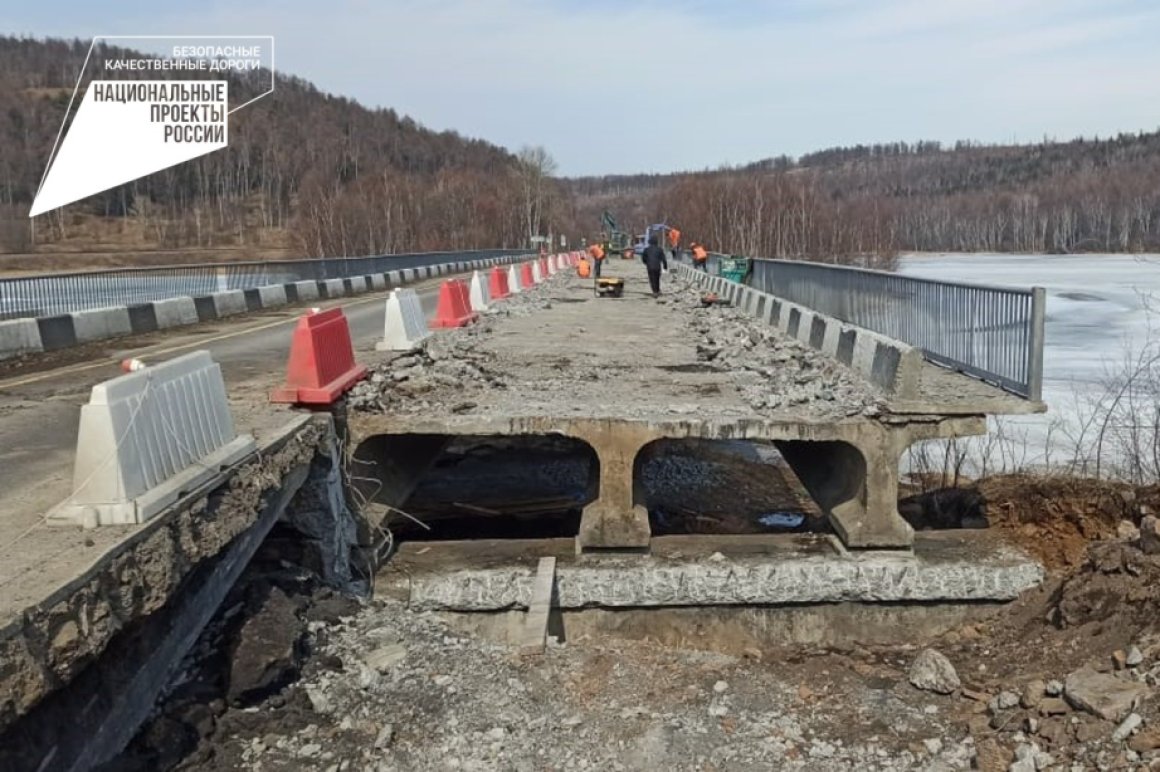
(1054, 518)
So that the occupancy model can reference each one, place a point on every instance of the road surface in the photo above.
(39, 411)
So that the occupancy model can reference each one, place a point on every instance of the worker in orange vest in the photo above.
(674, 242)
(700, 257)
(597, 252)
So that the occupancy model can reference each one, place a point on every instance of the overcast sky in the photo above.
(620, 86)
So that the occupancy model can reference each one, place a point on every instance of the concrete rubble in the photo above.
(460, 703)
(772, 371)
(933, 672)
(1088, 719)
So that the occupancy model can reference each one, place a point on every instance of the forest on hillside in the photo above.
(1084, 195)
(323, 175)
(332, 176)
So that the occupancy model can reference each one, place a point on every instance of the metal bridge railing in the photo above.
(989, 332)
(60, 293)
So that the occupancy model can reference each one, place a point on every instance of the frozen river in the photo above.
(1098, 312)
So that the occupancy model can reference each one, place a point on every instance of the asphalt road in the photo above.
(39, 411)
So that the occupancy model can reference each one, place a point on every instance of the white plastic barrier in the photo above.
(536, 277)
(514, 280)
(405, 324)
(148, 438)
(480, 295)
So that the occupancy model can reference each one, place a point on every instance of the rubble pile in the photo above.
(774, 372)
(402, 690)
(1090, 718)
(408, 382)
(447, 363)
(1067, 678)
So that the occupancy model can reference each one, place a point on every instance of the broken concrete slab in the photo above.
(1103, 694)
(536, 629)
(750, 570)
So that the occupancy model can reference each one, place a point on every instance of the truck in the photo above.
(660, 230)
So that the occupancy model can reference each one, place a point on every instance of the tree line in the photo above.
(870, 202)
(328, 176)
(332, 176)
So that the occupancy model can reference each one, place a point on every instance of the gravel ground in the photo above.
(388, 688)
(1066, 678)
(404, 691)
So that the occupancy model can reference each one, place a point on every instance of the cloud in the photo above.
(641, 85)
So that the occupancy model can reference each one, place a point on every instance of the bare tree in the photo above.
(534, 169)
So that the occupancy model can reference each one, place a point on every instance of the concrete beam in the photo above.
(58, 639)
(850, 467)
(615, 521)
(752, 570)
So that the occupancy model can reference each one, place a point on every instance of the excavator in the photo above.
(617, 240)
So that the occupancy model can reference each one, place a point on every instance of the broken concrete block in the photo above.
(1103, 694)
(933, 672)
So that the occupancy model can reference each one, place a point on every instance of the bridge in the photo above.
(838, 369)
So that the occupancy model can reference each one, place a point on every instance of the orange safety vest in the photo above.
(584, 268)
(699, 254)
(596, 251)
(674, 237)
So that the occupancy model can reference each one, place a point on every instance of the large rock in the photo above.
(1102, 694)
(267, 652)
(1150, 535)
(933, 672)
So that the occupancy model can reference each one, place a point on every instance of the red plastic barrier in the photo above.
(526, 279)
(321, 365)
(454, 309)
(498, 284)
(543, 268)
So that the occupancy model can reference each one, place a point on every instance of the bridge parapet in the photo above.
(989, 332)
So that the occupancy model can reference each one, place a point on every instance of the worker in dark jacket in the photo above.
(654, 260)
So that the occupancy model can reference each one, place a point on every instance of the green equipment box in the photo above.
(734, 268)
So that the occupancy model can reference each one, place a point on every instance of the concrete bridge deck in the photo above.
(618, 374)
(40, 402)
(622, 373)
